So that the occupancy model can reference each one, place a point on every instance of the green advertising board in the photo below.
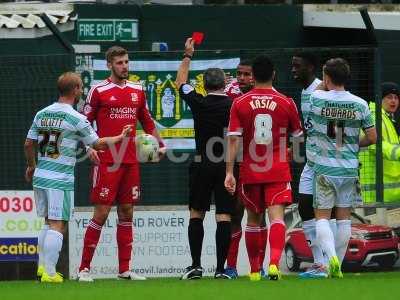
(107, 30)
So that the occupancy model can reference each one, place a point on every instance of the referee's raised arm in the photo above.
(186, 91)
(183, 71)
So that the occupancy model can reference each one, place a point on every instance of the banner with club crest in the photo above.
(172, 115)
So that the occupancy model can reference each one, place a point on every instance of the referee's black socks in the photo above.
(196, 235)
(222, 240)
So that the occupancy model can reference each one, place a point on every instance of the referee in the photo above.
(207, 171)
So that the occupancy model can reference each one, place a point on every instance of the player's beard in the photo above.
(245, 88)
(120, 75)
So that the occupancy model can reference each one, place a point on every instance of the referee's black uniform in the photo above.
(207, 171)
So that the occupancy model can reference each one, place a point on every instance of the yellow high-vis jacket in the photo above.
(391, 163)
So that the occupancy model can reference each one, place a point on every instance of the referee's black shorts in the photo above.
(205, 181)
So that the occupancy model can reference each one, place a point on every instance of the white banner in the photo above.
(160, 248)
(168, 65)
(18, 215)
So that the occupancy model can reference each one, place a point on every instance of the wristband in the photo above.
(187, 55)
(161, 144)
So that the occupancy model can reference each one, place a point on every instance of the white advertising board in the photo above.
(18, 215)
(19, 226)
(160, 248)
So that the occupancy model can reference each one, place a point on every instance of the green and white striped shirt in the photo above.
(305, 110)
(58, 128)
(337, 117)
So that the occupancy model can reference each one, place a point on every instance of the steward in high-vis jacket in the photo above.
(390, 151)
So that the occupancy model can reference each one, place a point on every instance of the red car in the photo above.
(369, 244)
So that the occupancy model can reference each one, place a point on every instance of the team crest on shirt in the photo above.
(87, 109)
(134, 98)
(104, 192)
(233, 89)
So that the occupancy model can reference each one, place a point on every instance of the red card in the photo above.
(198, 37)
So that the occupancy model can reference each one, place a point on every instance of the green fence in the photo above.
(28, 84)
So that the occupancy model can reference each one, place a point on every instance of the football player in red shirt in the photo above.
(242, 84)
(112, 104)
(264, 118)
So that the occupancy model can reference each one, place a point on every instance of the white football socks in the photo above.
(52, 245)
(311, 237)
(342, 238)
(41, 237)
(333, 226)
(325, 237)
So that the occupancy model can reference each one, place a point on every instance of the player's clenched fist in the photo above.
(230, 183)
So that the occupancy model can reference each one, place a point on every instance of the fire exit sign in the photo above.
(108, 30)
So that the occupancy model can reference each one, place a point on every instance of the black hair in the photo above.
(309, 58)
(246, 62)
(263, 68)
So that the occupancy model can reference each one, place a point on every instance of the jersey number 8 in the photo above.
(263, 129)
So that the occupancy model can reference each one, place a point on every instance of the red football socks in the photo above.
(90, 241)
(231, 260)
(124, 241)
(263, 243)
(252, 237)
(276, 241)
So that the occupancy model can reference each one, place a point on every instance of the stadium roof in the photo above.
(22, 20)
(384, 17)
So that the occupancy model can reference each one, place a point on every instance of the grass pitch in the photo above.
(353, 286)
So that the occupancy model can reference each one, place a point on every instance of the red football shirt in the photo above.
(112, 107)
(264, 117)
(233, 90)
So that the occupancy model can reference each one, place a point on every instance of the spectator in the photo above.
(390, 151)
